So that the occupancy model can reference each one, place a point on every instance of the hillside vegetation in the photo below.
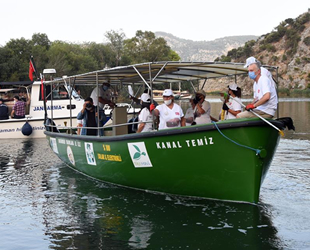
(287, 47)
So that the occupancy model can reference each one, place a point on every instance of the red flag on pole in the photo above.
(31, 69)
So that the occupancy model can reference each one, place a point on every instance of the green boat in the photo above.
(226, 160)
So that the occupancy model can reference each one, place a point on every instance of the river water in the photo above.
(46, 205)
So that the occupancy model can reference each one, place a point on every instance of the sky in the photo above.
(77, 21)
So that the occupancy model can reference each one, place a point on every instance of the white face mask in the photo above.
(168, 102)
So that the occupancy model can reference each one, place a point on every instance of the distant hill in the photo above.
(287, 46)
(190, 50)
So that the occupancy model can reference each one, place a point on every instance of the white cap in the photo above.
(145, 97)
(168, 92)
(250, 61)
(233, 86)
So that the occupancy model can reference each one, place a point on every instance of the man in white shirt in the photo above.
(265, 97)
(264, 71)
(104, 97)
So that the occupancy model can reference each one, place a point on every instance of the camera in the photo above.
(196, 100)
(88, 105)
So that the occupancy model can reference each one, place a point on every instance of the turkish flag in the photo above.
(31, 70)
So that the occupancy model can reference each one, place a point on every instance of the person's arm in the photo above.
(189, 119)
(81, 114)
(156, 112)
(141, 127)
(200, 109)
(13, 111)
(263, 100)
(233, 112)
(105, 101)
(183, 121)
(135, 99)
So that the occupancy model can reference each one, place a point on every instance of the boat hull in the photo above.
(12, 128)
(192, 161)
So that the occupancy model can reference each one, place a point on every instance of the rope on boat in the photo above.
(257, 151)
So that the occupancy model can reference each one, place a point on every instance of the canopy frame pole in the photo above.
(98, 108)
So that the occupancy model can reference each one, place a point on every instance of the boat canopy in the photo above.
(158, 73)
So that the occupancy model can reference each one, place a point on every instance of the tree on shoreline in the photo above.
(71, 59)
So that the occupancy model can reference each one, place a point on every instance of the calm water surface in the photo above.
(46, 205)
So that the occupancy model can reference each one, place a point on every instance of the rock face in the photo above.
(286, 47)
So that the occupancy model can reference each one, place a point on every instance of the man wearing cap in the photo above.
(264, 71)
(4, 111)
(265, 97)
(104, 97)
(202, 109)
(170, 114)
(233, 105)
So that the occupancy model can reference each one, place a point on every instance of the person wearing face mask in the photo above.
(170, 114)
(89, 117)
(202, 109)
(104, 97)
(265, 98)
(264, 71)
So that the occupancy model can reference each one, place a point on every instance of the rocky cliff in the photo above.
(286, 47)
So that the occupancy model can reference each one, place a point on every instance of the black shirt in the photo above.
(4, 112)
(91, 122)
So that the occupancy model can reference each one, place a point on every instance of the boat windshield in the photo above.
(74, 92)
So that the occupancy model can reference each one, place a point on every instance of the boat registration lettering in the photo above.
(106, 147)
(109, 157)
(168, 144)
(189, 143)
(41, 108)
(69, 142)
(199, 142)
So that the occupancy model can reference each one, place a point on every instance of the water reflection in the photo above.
(82, 209)
(45, 204)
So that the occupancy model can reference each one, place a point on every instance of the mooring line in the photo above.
(257, 151)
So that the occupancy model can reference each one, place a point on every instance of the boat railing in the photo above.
(71, 129)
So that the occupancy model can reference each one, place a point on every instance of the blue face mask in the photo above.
(105, 87)
(252, 75)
